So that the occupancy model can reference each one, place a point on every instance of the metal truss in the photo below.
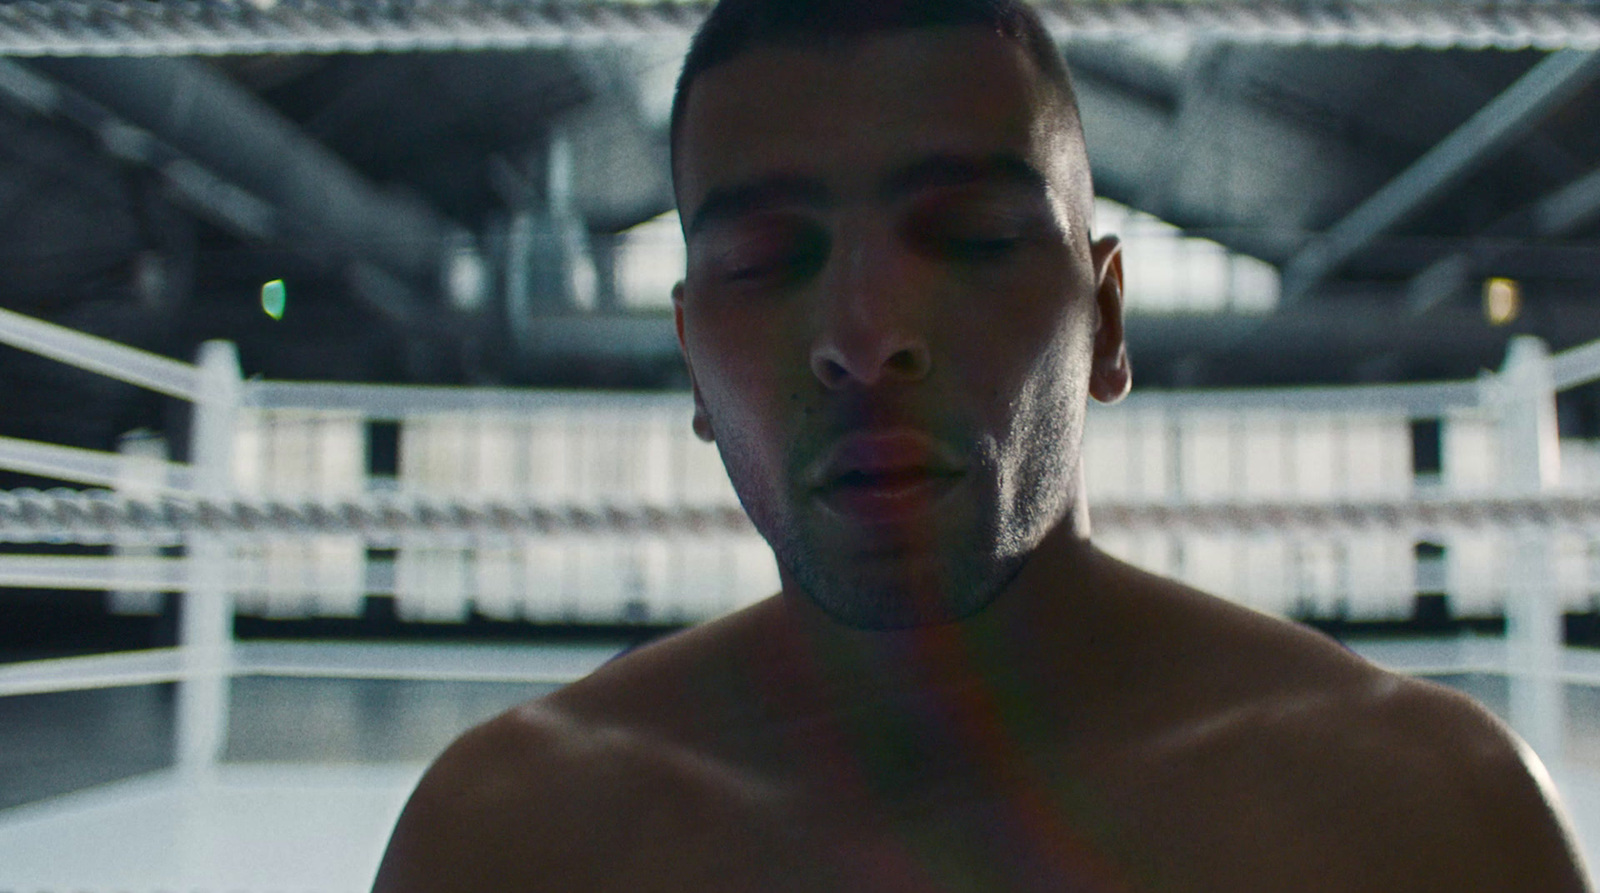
(219, 27)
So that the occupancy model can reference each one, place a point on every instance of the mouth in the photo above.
(889, 497)
(886, 478)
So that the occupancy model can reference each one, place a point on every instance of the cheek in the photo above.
(736, 370)
(1063, 323)
(716, 360)
(1021, 343)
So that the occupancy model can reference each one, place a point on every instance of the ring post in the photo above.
(1523, 397)
(206, 627)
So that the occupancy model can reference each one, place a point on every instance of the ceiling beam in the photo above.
(1569, 208)
(1494, 128)
(1558, 214)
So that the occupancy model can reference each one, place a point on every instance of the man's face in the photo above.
(892, 312)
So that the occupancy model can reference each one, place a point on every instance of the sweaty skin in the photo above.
(955, 690)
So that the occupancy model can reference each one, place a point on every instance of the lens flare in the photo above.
(274, 298)
(1502, 300)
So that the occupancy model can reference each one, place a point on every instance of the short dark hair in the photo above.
(735, 27)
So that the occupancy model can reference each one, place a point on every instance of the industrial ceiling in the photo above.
(440, 185)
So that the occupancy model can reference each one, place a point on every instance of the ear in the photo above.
(1111, 376)
(702, 419)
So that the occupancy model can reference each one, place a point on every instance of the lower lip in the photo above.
(888, 503)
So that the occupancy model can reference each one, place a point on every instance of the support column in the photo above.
(1530, 464)
(205, 633)
(550, 269)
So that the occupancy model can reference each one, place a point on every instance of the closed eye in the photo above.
(769, 253)
(970, 231)
(972, 248)
(793, 263)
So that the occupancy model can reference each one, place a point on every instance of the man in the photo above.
(893, 315)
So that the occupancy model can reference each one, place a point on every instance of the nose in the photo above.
(872, 321)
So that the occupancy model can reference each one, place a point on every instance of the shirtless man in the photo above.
(893, 316)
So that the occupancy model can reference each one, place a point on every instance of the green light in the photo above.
(274, 298)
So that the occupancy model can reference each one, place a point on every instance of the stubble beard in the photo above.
(945, 570)
(940, 579)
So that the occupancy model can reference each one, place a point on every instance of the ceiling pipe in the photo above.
(237, 139)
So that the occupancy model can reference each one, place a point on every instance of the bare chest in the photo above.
(1114, 826)
(820, 835)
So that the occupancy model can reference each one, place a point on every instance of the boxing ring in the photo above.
(560, 508)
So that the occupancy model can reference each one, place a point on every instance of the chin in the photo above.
(895, 598)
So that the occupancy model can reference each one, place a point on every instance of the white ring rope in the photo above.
(103, 517)
(1413, 515)
(210, 27)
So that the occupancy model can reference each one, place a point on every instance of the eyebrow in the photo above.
(944, 171)
(931, 172)
(737, 200)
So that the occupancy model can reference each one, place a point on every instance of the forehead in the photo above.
(846, 113)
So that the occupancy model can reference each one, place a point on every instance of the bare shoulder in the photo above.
(1399, 784)
(1338, 774)
(557, 794)
(1449, 777)
(1360, 778)
(486, 815)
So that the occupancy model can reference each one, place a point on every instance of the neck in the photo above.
(912, 708)
(1018, 640)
